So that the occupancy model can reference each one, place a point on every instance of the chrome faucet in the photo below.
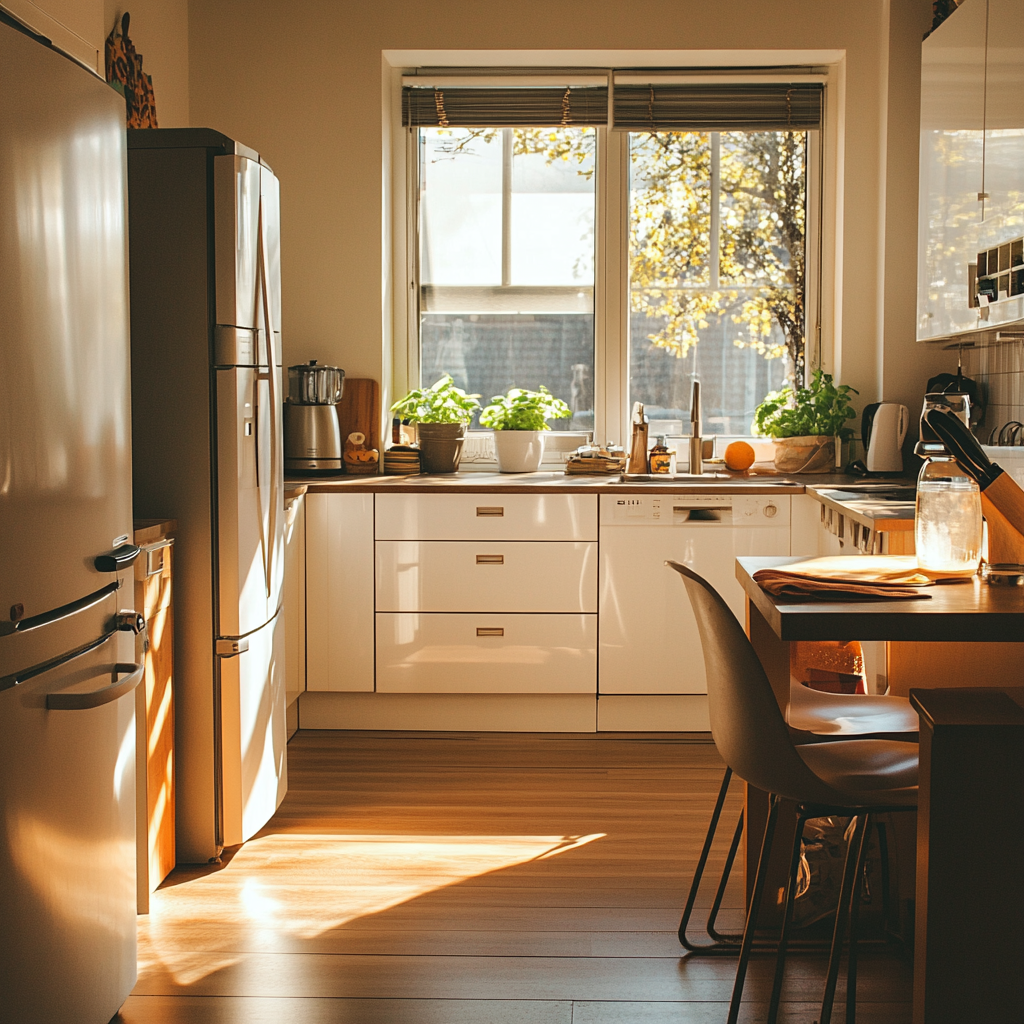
(696, 440)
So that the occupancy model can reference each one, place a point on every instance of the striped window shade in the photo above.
(503, 106)
(712, 107)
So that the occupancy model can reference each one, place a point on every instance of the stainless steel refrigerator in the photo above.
(67, 668)
(206, 418)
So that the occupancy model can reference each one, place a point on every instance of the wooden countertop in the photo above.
(972, 612)
(548, 483)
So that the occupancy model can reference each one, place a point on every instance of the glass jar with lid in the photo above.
(947, 521)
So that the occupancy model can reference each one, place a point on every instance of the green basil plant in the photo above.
(524, 410)
(442, 402)
(820, 409)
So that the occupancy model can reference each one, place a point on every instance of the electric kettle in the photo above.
(884, 429)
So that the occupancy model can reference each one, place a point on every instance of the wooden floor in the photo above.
(415, 878)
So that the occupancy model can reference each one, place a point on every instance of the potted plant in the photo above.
(441, 413)
(806, 424)
(519, 419)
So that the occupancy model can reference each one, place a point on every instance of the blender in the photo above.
(312, 435)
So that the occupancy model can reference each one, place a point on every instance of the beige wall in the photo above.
(302, 84)
(159, 30)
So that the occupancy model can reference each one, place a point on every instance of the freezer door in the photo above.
(67, 848)
(65, 424)
(250, 500)
(253, 738)
(236, 185)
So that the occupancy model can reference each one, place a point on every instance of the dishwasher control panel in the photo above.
(735, 510)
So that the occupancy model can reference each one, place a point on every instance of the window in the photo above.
(709, 252)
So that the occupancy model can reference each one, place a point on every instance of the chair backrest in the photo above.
(746, 721)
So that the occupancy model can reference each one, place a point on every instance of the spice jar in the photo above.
(661, 458)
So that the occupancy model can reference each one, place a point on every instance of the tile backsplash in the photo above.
(999, 369)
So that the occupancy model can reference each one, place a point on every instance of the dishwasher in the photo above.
(648, 640)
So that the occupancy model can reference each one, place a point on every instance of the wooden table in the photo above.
(971, 620)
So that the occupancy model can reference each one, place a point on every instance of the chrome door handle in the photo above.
(97, 698)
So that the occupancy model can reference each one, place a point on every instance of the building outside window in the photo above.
(709, 242)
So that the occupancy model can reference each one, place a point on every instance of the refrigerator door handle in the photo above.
(118, 559)
(275, 411)
(97, 698)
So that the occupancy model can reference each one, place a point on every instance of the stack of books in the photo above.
(401, 460)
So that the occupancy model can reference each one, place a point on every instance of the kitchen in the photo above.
(276, 78)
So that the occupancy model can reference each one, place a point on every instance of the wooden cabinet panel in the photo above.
(489, 576)
(155, 709)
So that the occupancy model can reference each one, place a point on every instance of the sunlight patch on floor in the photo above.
(305, 885)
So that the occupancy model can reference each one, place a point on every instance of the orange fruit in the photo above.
(739, 455)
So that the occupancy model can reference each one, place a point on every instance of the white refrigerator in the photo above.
(67, 652)
(204, 230)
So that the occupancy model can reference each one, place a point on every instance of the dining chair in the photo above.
(813, 716)
(855, 778)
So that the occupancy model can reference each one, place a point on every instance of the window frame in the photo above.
(823, 231)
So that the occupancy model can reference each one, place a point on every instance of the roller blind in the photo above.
(503, 107)
(704, 107)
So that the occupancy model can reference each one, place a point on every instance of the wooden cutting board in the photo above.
(359, 409)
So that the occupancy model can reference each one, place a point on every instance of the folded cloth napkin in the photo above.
(888, 577)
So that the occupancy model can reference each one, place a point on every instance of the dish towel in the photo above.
(885, 577)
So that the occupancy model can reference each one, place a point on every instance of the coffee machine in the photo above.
(312, 434)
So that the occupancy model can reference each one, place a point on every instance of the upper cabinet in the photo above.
(972, 169)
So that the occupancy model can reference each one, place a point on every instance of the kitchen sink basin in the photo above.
(712, 479)
(896, 494)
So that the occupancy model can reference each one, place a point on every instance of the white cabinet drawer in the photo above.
(490, 576)
(486, 517)
(486, 653)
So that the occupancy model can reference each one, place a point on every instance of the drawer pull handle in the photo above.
(490, 559)
(490, 511)
(490, 631)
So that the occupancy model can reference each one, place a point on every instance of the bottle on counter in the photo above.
(947, 522)
(661, 458)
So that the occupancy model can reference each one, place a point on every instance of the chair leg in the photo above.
(755, 902)
(842, 918)
(722, 885)
(883, 856)
(698, 874)
(787, 918)
(851, 968)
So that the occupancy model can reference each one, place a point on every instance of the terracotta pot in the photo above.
(815, 453)
(519, 451)
(440, 446)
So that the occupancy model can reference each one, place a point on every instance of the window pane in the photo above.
(507, 262)
(716, 263)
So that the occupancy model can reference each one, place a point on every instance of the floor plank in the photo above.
(470, 878)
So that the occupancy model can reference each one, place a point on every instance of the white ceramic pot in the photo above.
(519, 451)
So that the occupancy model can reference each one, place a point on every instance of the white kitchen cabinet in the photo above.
(529, 517)
(486, 653)
(339, 592)
(951, 170)
(972, 161)
(450, 568)
(294, 602)
(489, 576)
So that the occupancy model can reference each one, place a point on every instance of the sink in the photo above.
(892, 493)
(701, 480)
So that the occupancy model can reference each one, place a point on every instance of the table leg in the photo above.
(969, 933)
(774, 656)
